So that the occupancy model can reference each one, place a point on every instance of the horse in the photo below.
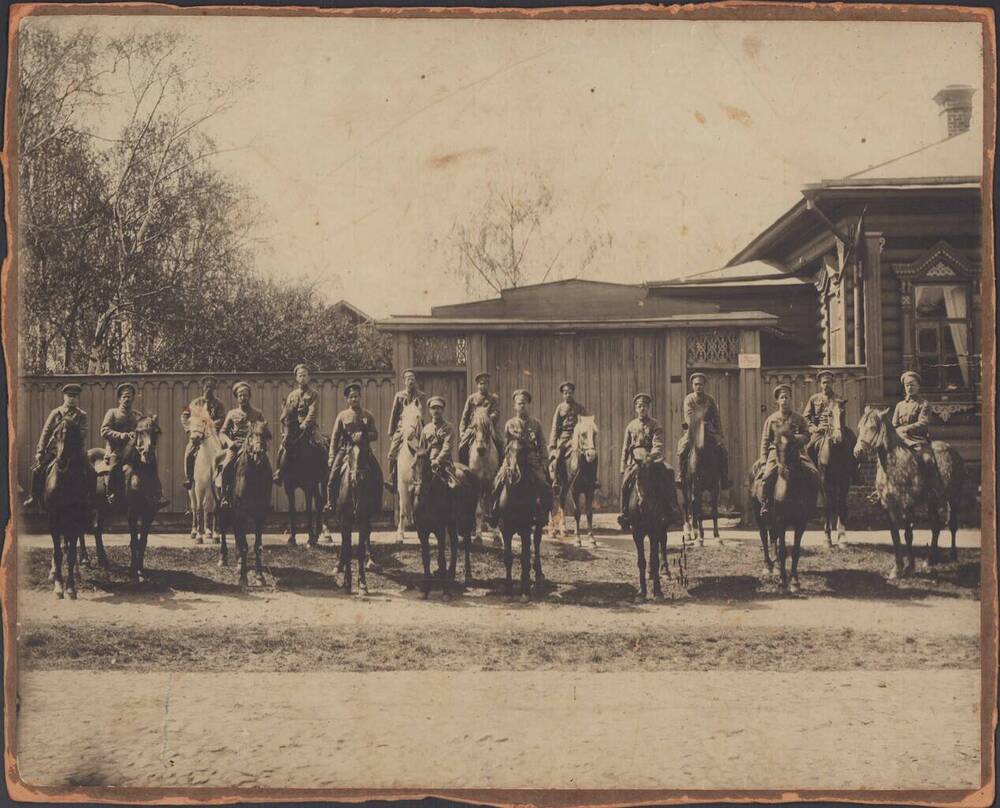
(648, 512)
(579, 475)
(702, 475)
(835, 461)
(520, 512)
(359, 497)
(411, 423)
(141, 487)
(484, 461)
(793, 505)
(305, 469)
(251, 503)
(903, 483)
(203, 496)
(66, 497)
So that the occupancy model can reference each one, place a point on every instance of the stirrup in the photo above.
(187, 484)
(28, 502)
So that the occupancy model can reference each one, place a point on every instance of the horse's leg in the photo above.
(768, 563)
(799, 530)
(102, 557)
(664, 561)
(654, 562)
(640, 550)
(526, 537)
(715, 514)
(84, 558)
(57, 560)
(897, 570)
(953, 528)
(908, 535)
(345, 554)
(782, 555)
(539, 575)
(508, 560)
(364, 539)
(147, 520)
(425, 558)
(467, 542)
(590, 516)
(242, 550)
(223, 549)
(451, 531)
(311, 530)
(71, 564)
(258, 546)
(133, 545)
(290, 494)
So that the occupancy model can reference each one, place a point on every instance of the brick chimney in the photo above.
(955, 101)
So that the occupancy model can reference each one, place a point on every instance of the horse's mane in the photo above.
(201, 417)
(584, 423)
(411, 419)
(481, 420)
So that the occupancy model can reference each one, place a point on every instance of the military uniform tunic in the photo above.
(531, 432)
(238, 423)
(491, 404)
(350, 422)
(61, 413)
(564, 421)
(305, 404)
(439, 439)
(402, 400)
(701, 407)
(911, 418)
(116, 428)
(641, 434)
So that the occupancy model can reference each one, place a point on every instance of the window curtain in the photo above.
(956, 305)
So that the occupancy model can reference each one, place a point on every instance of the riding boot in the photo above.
(623, 521)
(189, 455)
(390, 484)
(36, 486)
(767, 496)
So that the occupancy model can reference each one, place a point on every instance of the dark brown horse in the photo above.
(66, 497)
(141, 493)
(703, 476)
(793, 505)
(904, 483)
(359, 497)
(521, 512)
(836, 464)
(305, 469)
(252, 483)
(648, 511)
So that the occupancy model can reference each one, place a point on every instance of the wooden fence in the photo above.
(165, 394)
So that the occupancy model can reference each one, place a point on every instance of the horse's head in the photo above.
(147, 432)
(696, 433)
(200, 424)
(835, 420)
(290, 420)
(873, 431)
(257, 441)
(68, 440)
(482, 430)
(585, 437)
(411, 422)
(517, 458)
(420, 473)
(788, 447)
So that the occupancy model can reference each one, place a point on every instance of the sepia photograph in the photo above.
(603, 396)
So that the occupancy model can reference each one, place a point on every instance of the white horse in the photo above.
(411, 424)
(204, 521)
(484, 461)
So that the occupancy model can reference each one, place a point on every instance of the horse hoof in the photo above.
(371, 566)
(893, 574)
(71, 593)
(244, 583)
(446, 595)
(795, 587)
(217, 539)
(291, 540)
(259, 578)
(478, 540)
(223, 562)
(425, 594)
(701, 542)
(328, 539)
(52, 576)
(85, 561)
(363, 589)
(525, 597)
(59, 594)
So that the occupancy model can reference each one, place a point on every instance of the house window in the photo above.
(943, 324)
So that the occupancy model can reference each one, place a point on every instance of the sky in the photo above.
(366, 141)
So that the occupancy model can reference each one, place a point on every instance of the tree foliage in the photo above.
(135, 252)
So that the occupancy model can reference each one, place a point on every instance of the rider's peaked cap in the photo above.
(121, 388)
(300, 366)
(646, 396)
(697, 375)
(824, 374)
(352, 386)
(435, 400)
(567, 383)
(522, 392)
(208, 380)
(779, 388)
(911, 374)
(72, 389)
(239, 386)
(482, 375)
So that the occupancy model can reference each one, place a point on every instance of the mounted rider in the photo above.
(524, 428)
(784, 418)
(911, 419)
(350, 426)
(235, 429)
(700, 406)
(118, 431)
(216, 412)
(564, 421)
(410, 394)
(69, 410)
(817, 415)
(301, 403)
(642, 432)
(484, 399)
(438, 436)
